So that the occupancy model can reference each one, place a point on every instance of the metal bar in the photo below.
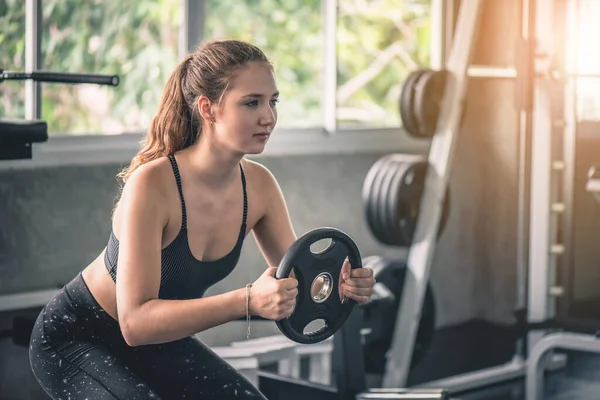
(480, 378)
(479, 71)
(441, 154)
(515, 369)
(541, 181)
(22, 301)
(569, 135)
(60, 77)
(403, 394)
(450, 13)
(191, 31)
(437, 51)
(330, 15)
(33, 56)
(575, 75)
(490, 72)
(527, 13)
(534, 380)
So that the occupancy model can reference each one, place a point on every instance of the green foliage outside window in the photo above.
(379, 43)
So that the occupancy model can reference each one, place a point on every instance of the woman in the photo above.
(123, 328)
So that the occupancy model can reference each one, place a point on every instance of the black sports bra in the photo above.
(182, 275)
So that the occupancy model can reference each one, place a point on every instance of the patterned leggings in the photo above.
(77, 352)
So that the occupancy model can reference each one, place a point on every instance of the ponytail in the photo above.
(207, 71)
(172, 129)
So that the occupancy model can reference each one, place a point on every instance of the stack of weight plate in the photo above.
(420, 102)
(392, 193)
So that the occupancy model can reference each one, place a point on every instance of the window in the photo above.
(290, 34)
(584, 59)
(136, 40)
(379, 43)
(12, 34)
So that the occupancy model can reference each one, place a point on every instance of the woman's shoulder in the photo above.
(146, 190)
(258, 175)
(151, 178)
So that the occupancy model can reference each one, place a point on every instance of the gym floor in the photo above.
(478, 344)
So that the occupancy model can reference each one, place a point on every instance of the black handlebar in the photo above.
(60, 77)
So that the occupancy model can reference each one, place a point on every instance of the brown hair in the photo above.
(207, 71)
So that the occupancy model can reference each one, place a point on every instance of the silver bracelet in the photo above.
(248, 286)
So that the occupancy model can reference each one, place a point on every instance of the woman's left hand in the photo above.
(356, 284)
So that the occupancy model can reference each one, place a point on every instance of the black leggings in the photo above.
(77, 352)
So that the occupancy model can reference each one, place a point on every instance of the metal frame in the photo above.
(33, 56)
(329, 10)
(440, 161)
(515, 368)
(191, 31)
(543, 170)
(534, 383)
(542, 249)
(568, 144)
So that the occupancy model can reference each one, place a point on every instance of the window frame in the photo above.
(329, 139)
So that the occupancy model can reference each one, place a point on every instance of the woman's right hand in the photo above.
(272, 298)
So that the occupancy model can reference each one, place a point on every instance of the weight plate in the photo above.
(406, 103)
(405, 199)
(391, 167)
(308, 266)
(427, 100)
(378, 188)
(390, 205)
(371, 188)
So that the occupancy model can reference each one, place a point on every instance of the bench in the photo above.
(249, 356)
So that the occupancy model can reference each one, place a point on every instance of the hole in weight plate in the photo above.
(314, 326)
(321, 287)
(321, 246)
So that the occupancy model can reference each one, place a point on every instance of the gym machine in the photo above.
(17, 136)
(428, 112)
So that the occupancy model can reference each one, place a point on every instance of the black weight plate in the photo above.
(406, 103)
(410, 194)
(391, 167)
(378, 188)
(406, 202)
(307, 267)
(399, 204)
(429, 92)
(390, 205)
(419, 177)
(370, 194)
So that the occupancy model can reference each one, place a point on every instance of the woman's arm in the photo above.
(273, 232)
(145, 319)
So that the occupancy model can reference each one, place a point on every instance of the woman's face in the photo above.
(247, 113)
